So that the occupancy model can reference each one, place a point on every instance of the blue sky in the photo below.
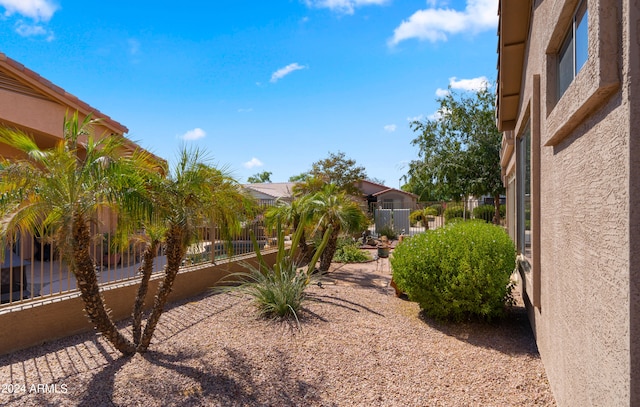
(261, 85)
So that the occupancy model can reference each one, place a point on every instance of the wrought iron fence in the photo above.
(32, 269)
(402, 221)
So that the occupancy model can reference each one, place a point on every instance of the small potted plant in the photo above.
(383, 247)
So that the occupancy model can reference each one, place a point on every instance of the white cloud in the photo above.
(194, 134)
(390, 128)
(474, 84)
(254, 162)
(37, 10)
(435, 24)
(33, 30)
(415, 118)
(344, 6)
(282, 72)
(247, 110)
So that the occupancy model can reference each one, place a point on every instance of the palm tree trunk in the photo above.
(327, 256)
(85, 273)
(147, 270)
(175, 253)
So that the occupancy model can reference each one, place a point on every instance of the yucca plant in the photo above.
(279, 290)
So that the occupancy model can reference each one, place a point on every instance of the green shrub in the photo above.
(350, 253)
(484, 212)
(457, 272)
(455, 212)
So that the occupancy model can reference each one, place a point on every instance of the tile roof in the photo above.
(274, 189)
(56, 93)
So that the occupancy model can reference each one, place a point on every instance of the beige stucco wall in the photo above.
(586, 325)
(400, 201)
(49, 320)
(43, 119)
(632, 20)
(31, 113)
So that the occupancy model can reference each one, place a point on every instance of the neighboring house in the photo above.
(267, 193)
(377, 195)
(568, 103)
(380, 196)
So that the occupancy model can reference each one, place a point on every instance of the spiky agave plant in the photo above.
(279, 290)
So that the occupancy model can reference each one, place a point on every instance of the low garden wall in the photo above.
(41, 321)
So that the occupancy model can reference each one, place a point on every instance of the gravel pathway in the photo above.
(357, 345)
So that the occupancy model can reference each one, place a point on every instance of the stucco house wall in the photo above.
(582, 288)
(33, 104)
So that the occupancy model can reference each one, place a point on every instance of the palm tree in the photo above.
(58, 193)
(332, 207)
(308, 186)
(295, 215)
(194, 195)
(154, 235)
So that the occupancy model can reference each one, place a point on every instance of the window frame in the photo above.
(523, 192)
(598, 78)
(570, 45)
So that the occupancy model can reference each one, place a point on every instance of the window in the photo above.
(523, 199)
(574, 50)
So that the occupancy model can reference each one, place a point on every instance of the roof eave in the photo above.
(513, 33)
(58, 94)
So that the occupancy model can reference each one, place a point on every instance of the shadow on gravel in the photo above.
(511, 335)
(342, 303)
(60, 360)
(193, 381)
(372, 274)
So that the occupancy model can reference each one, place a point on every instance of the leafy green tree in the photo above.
(58, 192)
(339, 170)
(424, 189)
(299, 178)
(259, 178)
(332, 208)
(459, 151)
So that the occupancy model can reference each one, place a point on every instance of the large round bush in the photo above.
(457, 272)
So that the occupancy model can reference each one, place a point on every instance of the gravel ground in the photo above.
(356, 345)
